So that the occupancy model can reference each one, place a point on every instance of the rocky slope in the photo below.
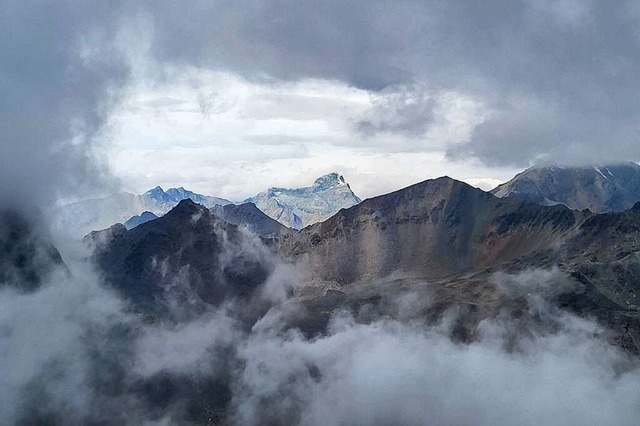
(450, 240)
(613, 187)
(297, 208)
(436, 228)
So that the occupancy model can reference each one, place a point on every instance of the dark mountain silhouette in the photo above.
(250, 216)
(188, 257)
(27, 257)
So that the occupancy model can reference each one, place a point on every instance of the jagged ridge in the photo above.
(297, 208)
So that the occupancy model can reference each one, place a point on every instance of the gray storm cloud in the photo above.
(405, 111)
(559, 78)
(59, 75)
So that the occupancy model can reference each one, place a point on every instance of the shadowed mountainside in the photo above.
(143, 217)
(26, 257)
(250, 216)
(188, 257)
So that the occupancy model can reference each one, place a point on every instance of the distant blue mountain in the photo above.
(85, 216)
(295, 208)
(139, 220)
(175, 195)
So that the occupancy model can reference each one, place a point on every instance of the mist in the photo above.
(75, 351)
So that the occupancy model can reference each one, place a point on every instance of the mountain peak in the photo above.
(186, 207)
(329, 181)
(157, 190)
(299, 207)
(178, 189)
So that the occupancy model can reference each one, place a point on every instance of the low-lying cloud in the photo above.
(389, 373)
(74, 352)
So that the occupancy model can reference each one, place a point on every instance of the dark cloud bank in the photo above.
(561, 77)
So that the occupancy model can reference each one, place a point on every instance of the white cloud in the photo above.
(237, 174)
(218, 134)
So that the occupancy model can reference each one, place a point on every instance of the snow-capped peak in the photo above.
(328, 181)
(299, 207)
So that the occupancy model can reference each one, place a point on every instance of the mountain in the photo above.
(297, 208)
(249, 216)
(445, 239)
(26, 255)
(294, 208)
(613, 187)
(450, 240)
(82, 217)
(435, 228)
(440, 256)
(139, 219)
(160, 201)
(187, 258)
(439, 253)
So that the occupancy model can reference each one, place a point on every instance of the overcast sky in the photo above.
(228, 97)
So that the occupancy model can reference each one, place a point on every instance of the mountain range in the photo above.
(294, 208)
(84, 216)
(604, 188)
(440, 254)
(442, 231)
